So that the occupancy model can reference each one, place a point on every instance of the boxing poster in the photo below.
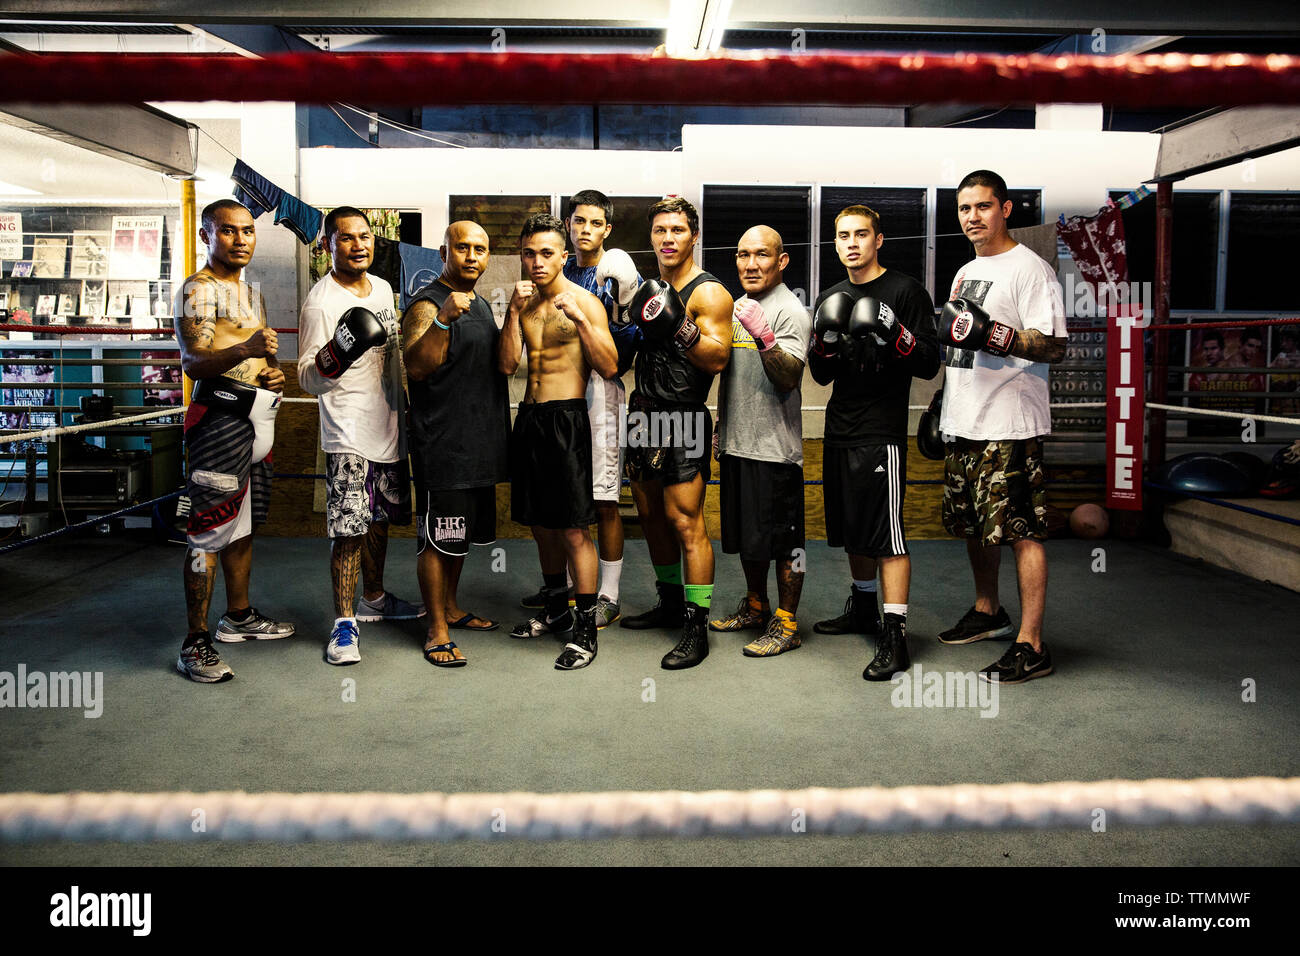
(1284, 366)
(11, 235)
(136, 251)
(163, 381)
(37, 375)
(1222, 377)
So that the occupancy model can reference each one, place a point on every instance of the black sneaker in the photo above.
(581, 650)
(667, 613)
(694, 645)
(1019, 664)
(978, 626)
(891, 651)
(534, 602)
(860, 617)
(540, 626)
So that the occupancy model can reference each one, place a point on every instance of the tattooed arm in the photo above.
(783, 370)
(424, 345)
(1033, 345)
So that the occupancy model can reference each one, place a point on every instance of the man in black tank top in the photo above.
(686, 318)
(459, 425)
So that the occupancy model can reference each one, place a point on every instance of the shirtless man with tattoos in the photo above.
(566, 332)
(229, 352)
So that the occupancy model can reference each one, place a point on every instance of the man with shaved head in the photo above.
(459, 428)
(760, 443)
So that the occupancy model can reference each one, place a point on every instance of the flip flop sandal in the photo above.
(443, 649)
(463, 623)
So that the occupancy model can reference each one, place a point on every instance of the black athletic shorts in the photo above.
(550, 465)
(762, 508)
(452, 520)
(667, 442)
(863, 488)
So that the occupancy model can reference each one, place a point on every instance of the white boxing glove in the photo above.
(617, 265)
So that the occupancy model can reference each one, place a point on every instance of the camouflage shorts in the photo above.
(995, 491)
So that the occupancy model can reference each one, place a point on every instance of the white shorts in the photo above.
(606, 400)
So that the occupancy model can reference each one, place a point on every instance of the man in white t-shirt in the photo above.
(1004, 324)
(349, 355)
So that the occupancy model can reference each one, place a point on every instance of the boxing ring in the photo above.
(558, 807)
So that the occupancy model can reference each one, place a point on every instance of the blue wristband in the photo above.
(445, 328)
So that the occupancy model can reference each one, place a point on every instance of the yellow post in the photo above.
(190, 231)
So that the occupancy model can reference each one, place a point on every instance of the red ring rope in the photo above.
(1243, 323)
(1147, 80)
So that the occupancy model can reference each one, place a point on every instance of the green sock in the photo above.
(700, 594)
(669, 573)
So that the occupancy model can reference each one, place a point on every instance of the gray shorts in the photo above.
(359, 491)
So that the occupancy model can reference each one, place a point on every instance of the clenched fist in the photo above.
(261, 343)
(456, 305)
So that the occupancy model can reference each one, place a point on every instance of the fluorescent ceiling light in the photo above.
(696, 25)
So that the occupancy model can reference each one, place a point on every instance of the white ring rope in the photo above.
(1278, 419)
(304, 817)
(49, 434)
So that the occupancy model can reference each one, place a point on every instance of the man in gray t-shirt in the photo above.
(760, 443)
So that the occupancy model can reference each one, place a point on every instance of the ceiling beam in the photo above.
(140, 135)
(1261, 17)
(1224, 139)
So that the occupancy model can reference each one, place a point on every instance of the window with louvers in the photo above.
(952, 249)
(1196, 247)
(902, 221)
(730, 211)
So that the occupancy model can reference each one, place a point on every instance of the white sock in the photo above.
(611, 572)
(865, 585)
(899, 609)
(340, 620)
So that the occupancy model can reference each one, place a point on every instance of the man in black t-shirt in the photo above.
(873, 333)
(459, 428)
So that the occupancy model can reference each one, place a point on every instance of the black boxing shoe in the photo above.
(581, 649)
(891, 650)
(860, 616)
(694, 645)
(543, 626)
(667, 613)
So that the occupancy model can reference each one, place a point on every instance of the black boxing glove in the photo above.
(831, 322)
(929, 438)
(658, 311)
(358, 332)
(963, 324)
(875, 318)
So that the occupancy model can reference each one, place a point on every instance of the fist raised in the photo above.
(456, 305)
(523, 292)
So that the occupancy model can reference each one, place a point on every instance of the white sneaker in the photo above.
(344, 646)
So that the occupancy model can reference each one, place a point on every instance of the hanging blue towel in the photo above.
(420, 266)
(304, 220)
(254, 190)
